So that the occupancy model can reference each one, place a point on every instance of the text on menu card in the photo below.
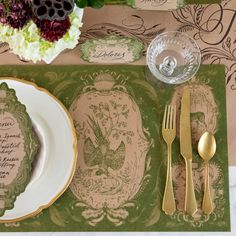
(11, 148)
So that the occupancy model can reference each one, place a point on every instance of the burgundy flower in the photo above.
(2, 14)
(53, 30)
(1, 9)
(19, 13)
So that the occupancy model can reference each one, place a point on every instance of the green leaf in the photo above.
(130, 2)
(81, 3)
(96, 3)
(90, 3)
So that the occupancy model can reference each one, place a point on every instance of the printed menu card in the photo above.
(18, 147)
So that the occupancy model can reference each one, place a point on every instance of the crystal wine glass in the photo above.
(173, 57)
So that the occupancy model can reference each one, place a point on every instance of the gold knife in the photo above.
(190, 206)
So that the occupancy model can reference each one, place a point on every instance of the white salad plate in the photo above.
(54, 166)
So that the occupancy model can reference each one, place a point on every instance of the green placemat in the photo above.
(120, 176)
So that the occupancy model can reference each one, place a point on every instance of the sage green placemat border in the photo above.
(63, 82)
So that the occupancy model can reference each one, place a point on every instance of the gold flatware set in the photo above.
(206, 149)
(169, 133)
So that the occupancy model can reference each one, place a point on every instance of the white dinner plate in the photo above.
(55, 164)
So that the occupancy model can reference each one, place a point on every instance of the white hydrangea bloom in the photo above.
(29, 45)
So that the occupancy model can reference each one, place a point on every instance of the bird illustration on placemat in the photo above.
(101, 154)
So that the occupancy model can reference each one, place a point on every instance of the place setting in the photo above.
(34, 126)
(206, 149)
(108, 144)
(165, 52)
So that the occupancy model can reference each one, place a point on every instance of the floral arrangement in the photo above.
(40, 29)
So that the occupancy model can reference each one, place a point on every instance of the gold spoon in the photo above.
(207, 149)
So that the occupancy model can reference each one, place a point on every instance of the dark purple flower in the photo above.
(19, 13)
(2, 14)
(53, 30)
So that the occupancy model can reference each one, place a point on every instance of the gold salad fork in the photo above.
(169, 133)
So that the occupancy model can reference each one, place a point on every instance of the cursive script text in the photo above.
(109, 55)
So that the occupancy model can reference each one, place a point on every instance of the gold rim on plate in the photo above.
(42, 207)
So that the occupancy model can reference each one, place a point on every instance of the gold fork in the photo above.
(169, 133)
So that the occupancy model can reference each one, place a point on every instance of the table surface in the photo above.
(232, 169)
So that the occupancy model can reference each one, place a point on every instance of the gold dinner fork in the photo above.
(169, 133)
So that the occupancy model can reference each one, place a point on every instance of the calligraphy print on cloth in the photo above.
(211, 25)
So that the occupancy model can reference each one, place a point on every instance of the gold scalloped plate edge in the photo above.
(45, 206)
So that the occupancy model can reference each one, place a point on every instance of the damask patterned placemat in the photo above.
(120, 175)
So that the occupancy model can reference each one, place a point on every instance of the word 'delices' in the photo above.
(112, 55)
